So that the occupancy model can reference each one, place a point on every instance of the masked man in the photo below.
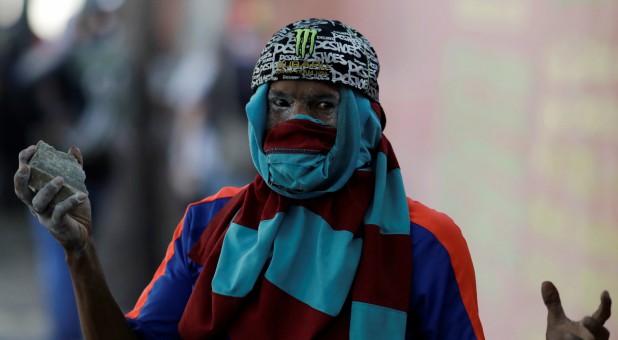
(323, 243)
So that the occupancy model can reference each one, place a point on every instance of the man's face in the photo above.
(316, 99)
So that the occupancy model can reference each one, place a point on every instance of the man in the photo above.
(322, 244)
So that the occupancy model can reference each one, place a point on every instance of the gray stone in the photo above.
(47, 163)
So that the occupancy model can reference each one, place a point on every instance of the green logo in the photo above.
(303, 35)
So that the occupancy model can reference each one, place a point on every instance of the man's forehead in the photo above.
(303, 85)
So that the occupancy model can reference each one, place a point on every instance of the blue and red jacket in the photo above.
(443, 301)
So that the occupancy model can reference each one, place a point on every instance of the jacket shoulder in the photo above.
(433, 220)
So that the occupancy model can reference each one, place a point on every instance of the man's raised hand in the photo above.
(69, 221)
(560, 327)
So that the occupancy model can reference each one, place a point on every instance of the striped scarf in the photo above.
(282, 262)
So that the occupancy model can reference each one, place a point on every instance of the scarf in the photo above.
(317, 246)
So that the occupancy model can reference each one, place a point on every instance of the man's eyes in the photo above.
(280, 102)
(325, 105)
(319, 105)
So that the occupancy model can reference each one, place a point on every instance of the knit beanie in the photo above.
(319, 49)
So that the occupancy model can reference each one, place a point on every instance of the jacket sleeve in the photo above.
(443, 300)
(160, 307)
(161, 304)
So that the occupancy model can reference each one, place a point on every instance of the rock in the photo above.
(47, 163)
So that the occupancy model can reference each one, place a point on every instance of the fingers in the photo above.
(595, 323)
(605, 308)
(75, 152)
(596, 328)
(20, 183)
(62, 208)
(551, 298)
(26, 154)
(20, 180)
(43, 198)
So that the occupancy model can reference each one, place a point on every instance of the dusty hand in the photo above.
(560, 327)
(69, 221)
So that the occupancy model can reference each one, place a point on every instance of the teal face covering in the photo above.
(297, 154)
(302, 158)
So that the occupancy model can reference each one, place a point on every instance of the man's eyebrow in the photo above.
(317, 96)
(324, 96)
(277, 93)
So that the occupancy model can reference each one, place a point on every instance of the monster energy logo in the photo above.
(302, 38)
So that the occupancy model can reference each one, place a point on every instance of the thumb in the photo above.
(551, 298)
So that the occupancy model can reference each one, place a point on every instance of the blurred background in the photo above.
(503, 114)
